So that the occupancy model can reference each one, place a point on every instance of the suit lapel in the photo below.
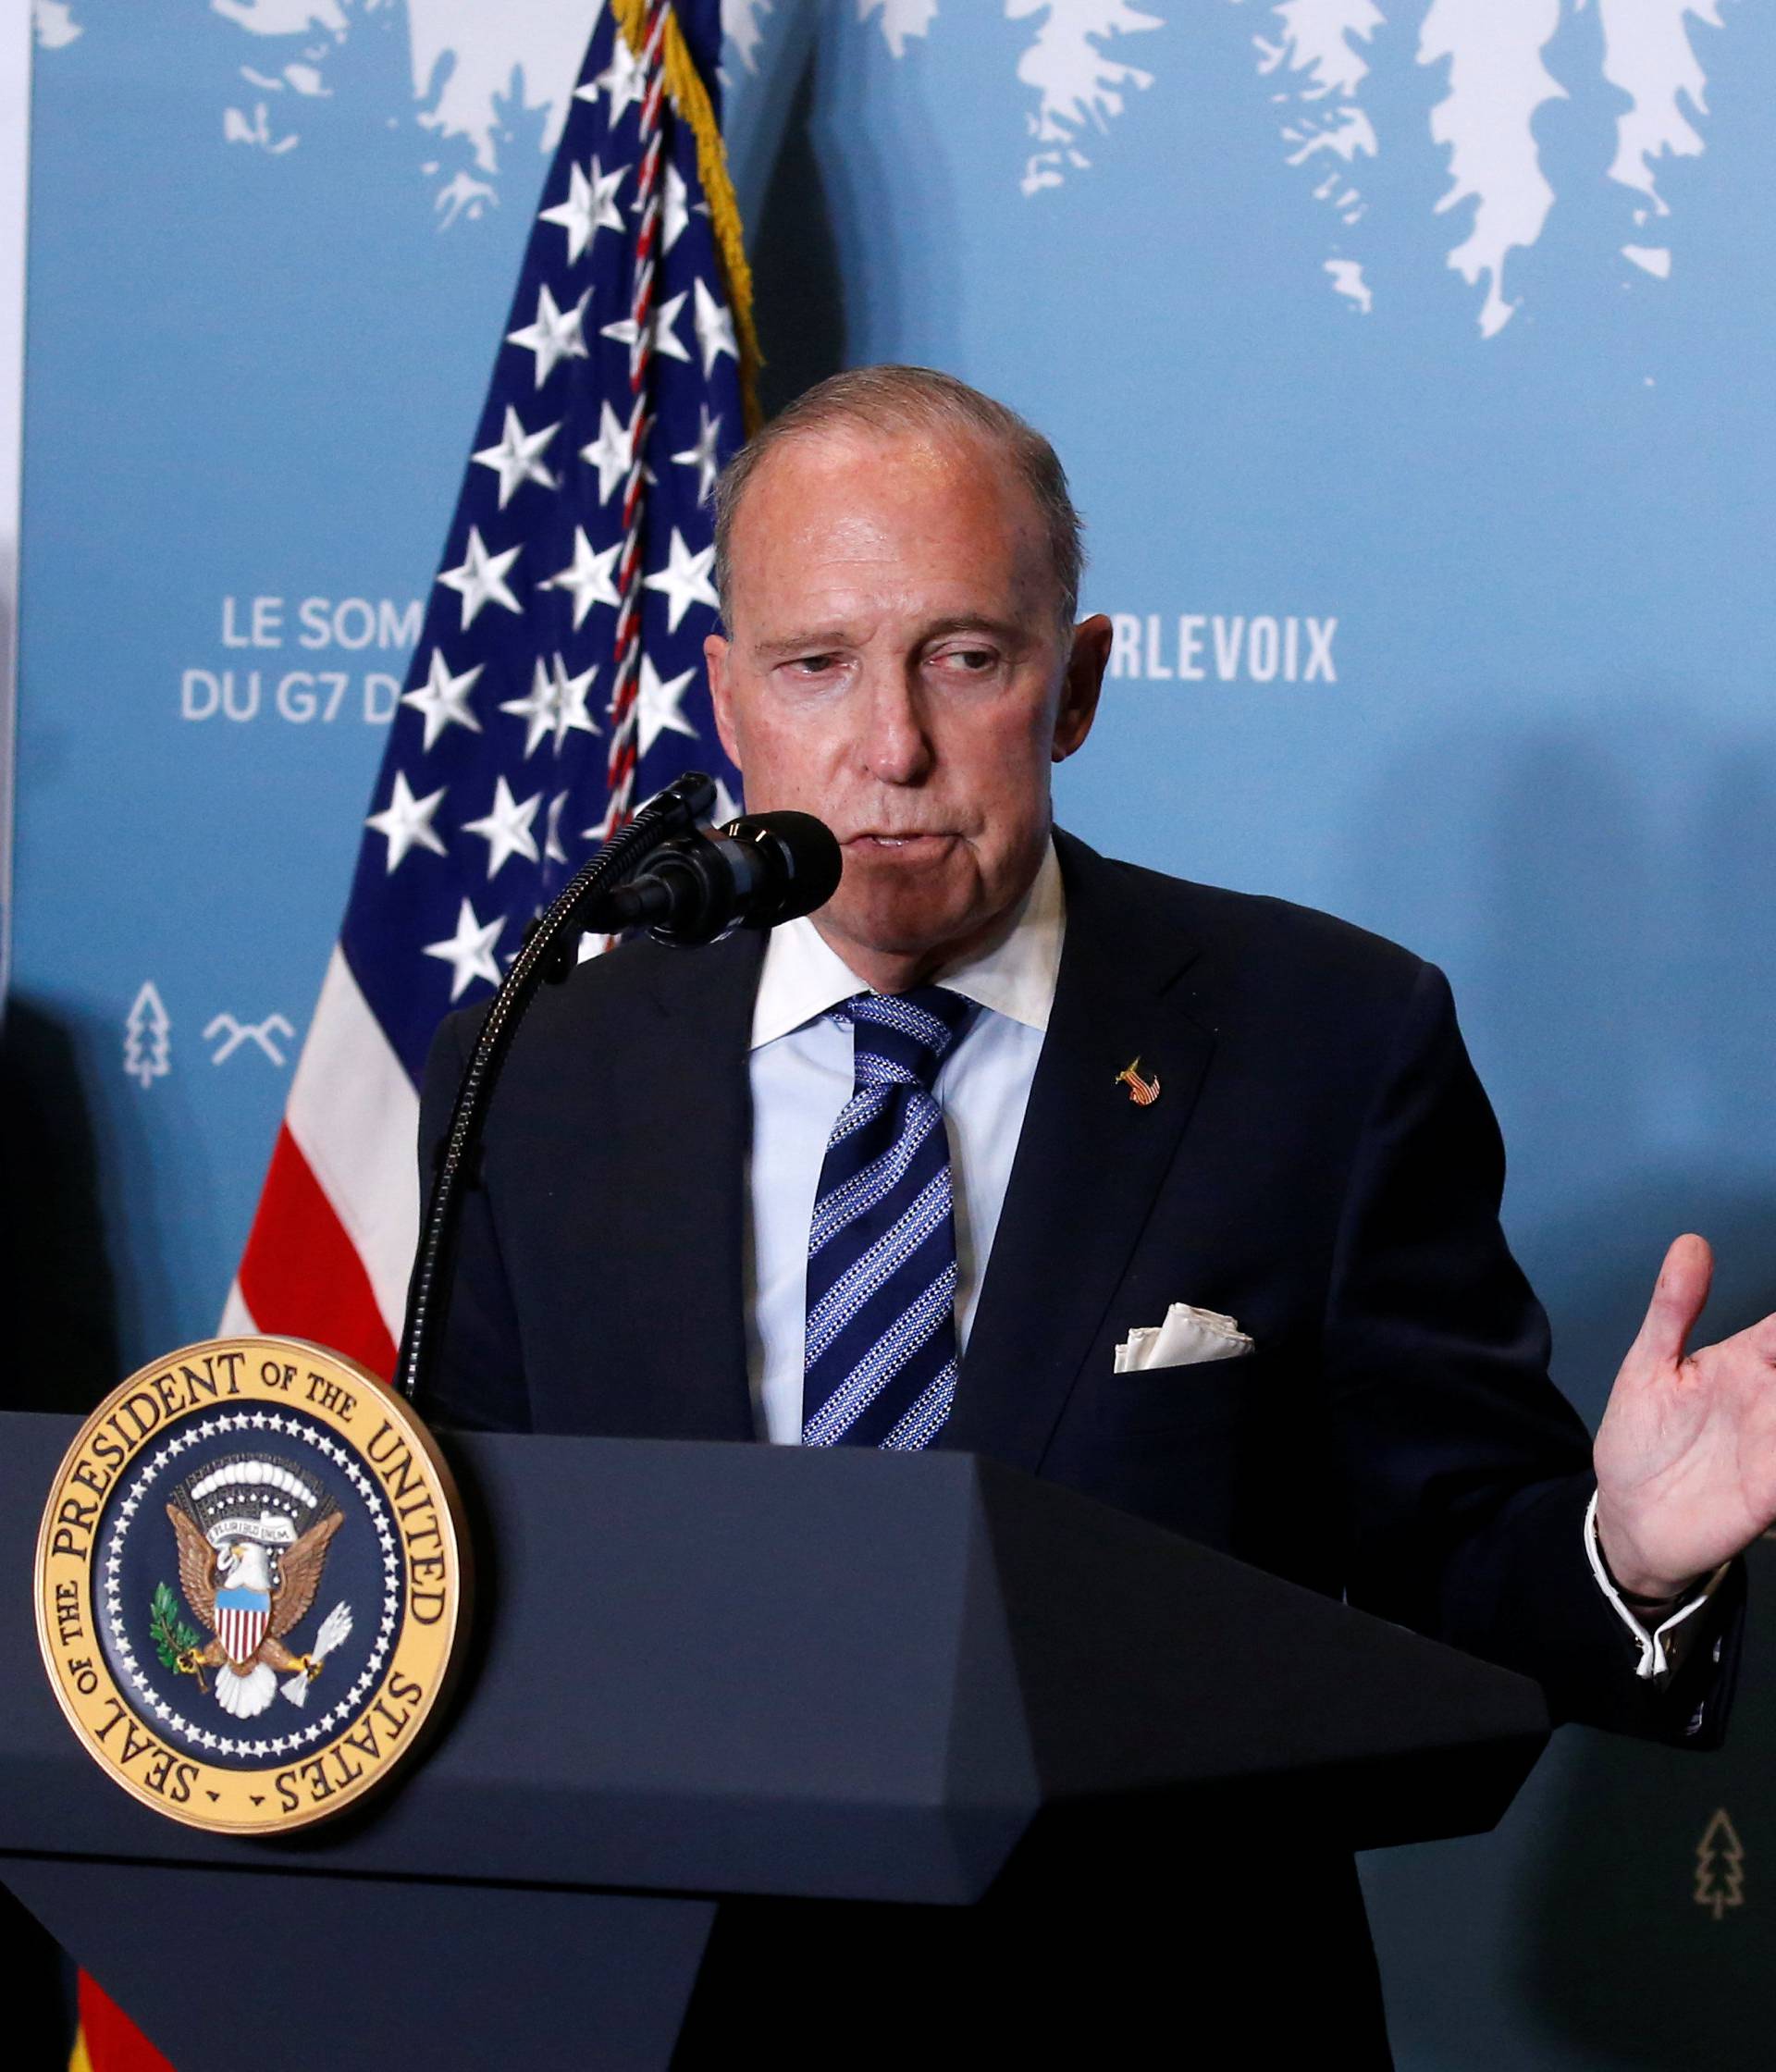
(689, 1105)
(1089, 1165)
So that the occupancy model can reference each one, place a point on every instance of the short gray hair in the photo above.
(897, 399)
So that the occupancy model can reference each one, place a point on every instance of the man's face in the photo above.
(895, 665)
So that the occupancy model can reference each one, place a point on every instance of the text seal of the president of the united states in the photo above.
(251, 1583)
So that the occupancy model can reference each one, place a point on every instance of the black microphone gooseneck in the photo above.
(550, 948)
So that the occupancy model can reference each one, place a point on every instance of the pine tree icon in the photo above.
(1720, 1866)
(147, 1033)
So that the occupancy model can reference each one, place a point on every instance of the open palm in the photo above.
(1686, 1456)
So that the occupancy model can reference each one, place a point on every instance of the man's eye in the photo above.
(967, 661)
(812, 665)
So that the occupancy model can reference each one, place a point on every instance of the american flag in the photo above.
(557, 682)
(559, 679)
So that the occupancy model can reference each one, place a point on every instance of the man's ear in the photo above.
(716, 651)
(1086, 662)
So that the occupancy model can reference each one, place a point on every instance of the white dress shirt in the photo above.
(801, 1076)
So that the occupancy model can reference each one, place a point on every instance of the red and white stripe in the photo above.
(240, 1632)
(620, 763)
(333, 1238)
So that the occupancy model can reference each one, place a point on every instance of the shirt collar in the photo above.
(1014, 974)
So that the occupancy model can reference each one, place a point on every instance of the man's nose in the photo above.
(896, 746)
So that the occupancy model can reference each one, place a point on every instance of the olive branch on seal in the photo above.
(174, 1642)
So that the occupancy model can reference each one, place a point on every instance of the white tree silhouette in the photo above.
(147, 1037)
(1076, 82)
(1500, 65)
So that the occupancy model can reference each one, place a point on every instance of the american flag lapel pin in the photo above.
(1142, 1092)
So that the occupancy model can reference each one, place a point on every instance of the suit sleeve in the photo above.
(1468, 1474)
(479, 1383)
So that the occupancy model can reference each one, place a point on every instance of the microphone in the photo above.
(756, 872)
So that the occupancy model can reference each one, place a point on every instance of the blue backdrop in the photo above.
(1411, 365)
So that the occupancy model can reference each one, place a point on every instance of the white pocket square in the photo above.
(1188, 1337)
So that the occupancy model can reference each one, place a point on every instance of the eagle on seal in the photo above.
(250, 1595)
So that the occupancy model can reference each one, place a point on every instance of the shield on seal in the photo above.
(242, 1617)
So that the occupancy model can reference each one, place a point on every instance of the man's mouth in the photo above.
(915, 838)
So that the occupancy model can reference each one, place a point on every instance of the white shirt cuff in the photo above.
(1654, 1657)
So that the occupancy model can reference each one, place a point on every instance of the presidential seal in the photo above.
(251, 1583)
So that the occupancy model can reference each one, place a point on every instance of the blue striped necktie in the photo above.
(880, 1362)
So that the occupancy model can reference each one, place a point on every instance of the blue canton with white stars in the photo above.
(492, 791)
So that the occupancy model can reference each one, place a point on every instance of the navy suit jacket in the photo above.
(1321, 1164)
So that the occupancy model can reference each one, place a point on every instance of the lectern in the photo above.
(854, 1687)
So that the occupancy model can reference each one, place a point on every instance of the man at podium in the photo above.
(1185, 1199)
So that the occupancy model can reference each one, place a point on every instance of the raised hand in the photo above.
(1686, 1456)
